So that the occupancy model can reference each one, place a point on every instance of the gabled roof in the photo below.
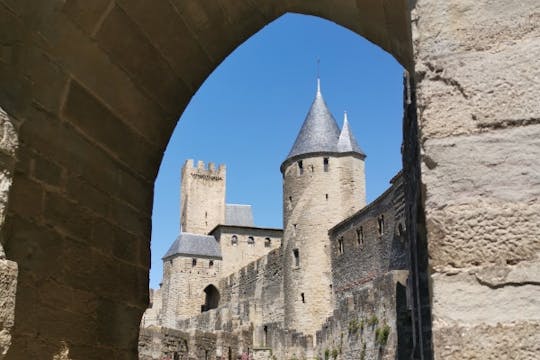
(238, 215)
(346, 141)
(194, 245)
(319, 132)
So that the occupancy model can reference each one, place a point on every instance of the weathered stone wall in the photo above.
(314, 201)
(370, 243)
(183, 286)
(236, 256)
(202, 197)
(371, 323)
(477, 77)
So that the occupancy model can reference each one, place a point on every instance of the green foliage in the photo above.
(335, 353)
(373, 320)
(355, 325)
(326, 354)
(381, 335)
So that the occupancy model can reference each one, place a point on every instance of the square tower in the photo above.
(202, 197)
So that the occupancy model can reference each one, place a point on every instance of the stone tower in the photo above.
(323, 183)
(202, 197)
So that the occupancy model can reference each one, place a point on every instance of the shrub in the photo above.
(326, 354)
(373, 320)
(381, 335)
(335, 353)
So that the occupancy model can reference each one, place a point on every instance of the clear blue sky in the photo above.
(248, 112)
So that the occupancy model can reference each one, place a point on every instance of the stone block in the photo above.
(97, 122)
(86, 14)
(67, 216)
(171, 36)
(131, 50)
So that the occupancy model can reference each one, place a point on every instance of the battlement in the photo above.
(204, 169)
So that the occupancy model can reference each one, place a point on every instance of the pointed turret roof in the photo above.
(319, 132)
(347, 142)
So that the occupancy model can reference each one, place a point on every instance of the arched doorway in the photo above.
(211, 299)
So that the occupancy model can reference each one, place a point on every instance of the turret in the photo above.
(323, 182)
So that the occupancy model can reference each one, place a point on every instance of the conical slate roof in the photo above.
(319, 132)
(346, 141)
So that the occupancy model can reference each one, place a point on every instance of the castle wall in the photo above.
(240, 252)
(183, 287)
(202, 197)
(369, 243)
(314, 201)
(371, 323)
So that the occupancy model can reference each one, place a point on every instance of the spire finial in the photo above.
(318, 76)
(345, 120)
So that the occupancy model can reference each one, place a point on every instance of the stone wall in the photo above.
(183, 286)
(239, 254)
(479, 131)
(371, 242)
(371, 323)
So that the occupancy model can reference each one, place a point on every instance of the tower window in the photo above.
(303, 298)
(251, 241)
(325, 164)
(267, 242)
(340, 245)
(380, 224)
(360, 236)
(326, 196)
(296, 254)
(300, 167)
(211, 264)
(234, 240)
(193, 262)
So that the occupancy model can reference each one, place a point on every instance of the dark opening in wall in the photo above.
(193, 262)
(296, 254)
(380, 223)
(326, 195)
(211, 264)
(234, 240)
(360, 236)
(325, 164)
(303, 298)
(267, 242)
(300, 167)
(340, 245)
(211, 298)
(251, 241)
(265, 329)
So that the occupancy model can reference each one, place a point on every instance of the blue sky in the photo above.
(248, 112)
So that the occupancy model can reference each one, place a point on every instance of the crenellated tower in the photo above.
(202, 197)
(323, 183)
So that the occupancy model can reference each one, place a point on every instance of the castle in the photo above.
(231, 288)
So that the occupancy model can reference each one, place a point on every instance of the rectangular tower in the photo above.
(202, 197)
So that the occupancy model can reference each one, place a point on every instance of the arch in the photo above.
(211, 299)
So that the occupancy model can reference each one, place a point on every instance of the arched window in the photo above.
(234, 240)
(325, 164)
(211, 264)
(251, 241)
(193, 262)
(267, 242)
(340, 245)
(211, 298)
(300, 167)
(296, 254)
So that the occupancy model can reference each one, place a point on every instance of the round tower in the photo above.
(323, 183)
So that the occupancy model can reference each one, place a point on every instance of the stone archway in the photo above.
(211, 298)
(95, 88)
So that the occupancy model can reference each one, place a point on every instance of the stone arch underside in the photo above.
(94, 90)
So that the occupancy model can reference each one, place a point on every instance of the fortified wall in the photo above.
(371, 308)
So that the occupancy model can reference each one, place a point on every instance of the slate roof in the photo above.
(319, 132)
(346, 141)
(238, 215)
(194, 245)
